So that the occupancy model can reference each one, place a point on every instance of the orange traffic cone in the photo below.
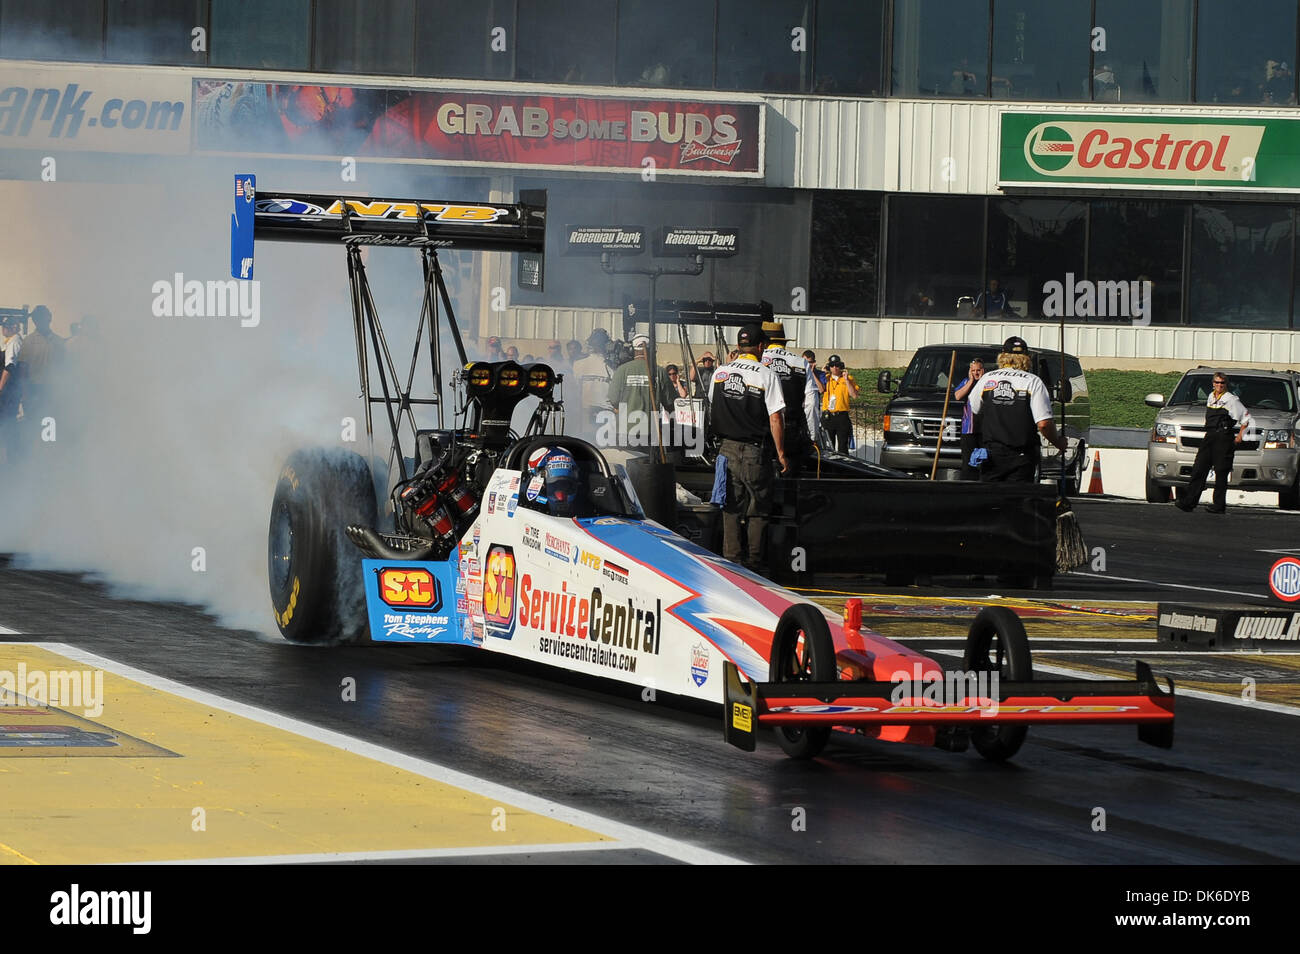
(1094, 485)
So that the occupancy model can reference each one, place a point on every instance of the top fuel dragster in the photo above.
(536, 545)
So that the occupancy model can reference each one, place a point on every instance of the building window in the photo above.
(40, 30)
(1040, 49)
(849, 47)
(566, 41)
(1032, 242)
(935, 253)
(1246, 55)
(665, 43)
(845, 257)
(261, 34)
(762, 269)
(1137, 240)
(941, 48)
(459, 40)
(1241, 265)
(154, 31)
(764, 45)
(1147, 55)
(364, 36)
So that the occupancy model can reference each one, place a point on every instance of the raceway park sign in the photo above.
(1243, 154)
(93, 109)
(456, 127)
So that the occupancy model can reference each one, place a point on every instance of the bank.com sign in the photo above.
(1157, 151)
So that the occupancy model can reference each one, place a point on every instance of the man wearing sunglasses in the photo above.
(1226, 418)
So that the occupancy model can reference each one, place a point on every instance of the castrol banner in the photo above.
(671, 136)
(1161, 152)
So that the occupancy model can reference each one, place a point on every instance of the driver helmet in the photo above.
(563, 482)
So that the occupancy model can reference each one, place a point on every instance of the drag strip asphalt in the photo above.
(661, 767)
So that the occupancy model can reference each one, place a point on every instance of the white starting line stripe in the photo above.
(1180, 586)
(402, 855)
(628, 835)
(6, 631)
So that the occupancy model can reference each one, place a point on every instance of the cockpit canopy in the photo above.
(588, 487)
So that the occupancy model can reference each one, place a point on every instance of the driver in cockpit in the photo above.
(563, 491)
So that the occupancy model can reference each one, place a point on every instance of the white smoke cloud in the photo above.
(170, 431)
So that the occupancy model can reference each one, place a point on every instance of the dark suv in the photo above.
(913, 418)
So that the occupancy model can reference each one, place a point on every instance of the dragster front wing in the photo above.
(1141, 702)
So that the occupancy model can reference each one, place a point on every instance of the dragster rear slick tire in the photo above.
(314, 572)
(997, 642)
(802, 651)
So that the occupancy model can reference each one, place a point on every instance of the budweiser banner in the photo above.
(1247, 153)
(675, 137)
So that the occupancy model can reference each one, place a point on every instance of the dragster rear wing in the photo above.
(406, 223)
(1139, 702)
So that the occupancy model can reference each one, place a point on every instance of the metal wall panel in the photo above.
(899, 145)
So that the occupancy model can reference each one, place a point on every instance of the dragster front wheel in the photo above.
(997, 643)
(802, 651)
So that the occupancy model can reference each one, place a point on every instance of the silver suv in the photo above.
(1266, 459)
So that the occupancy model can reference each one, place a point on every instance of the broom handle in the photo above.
(943, 418)
(1061, 395)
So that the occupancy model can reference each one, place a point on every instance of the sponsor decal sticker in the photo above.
(499, 591)
(700, 663)
(1284, 579)
(742, 717)
(588, 626)
(558, 547)
(534, 487)
(615, 572)
(409, 588)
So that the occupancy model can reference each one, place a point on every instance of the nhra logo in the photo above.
(410, 589)
(1284, 579)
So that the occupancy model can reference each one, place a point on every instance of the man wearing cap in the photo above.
(792, 371)
(631, 396)
(840, 389)
(592, 375)
(494, 350)
(1012, 407)
(702, 374)
(747, 405)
